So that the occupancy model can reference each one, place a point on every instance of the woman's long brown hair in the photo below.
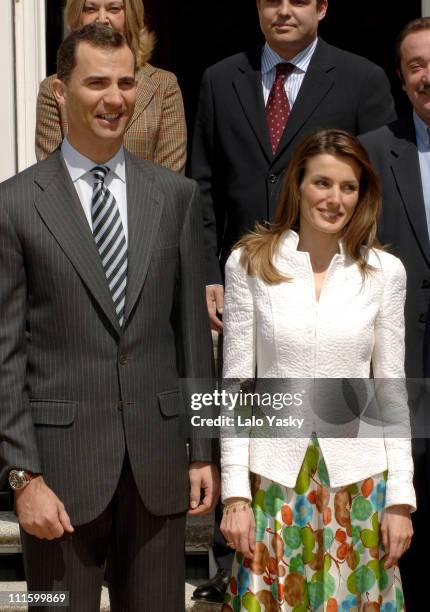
(259, 247)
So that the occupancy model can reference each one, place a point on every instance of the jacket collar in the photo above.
(316, 84)
(60, 208)
(404, 162)
(290, 242)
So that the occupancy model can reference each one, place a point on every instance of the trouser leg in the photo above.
(73, 563)
(146, 562)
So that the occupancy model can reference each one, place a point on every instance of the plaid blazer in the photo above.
(157, 130)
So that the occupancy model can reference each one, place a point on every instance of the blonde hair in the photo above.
(260, 246)
(137, 34)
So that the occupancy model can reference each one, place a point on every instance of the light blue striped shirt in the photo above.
(422, 131)
(301, 61)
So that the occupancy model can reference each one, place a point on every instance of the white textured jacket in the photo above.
(358, 324)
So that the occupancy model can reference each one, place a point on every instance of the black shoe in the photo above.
(213, 590)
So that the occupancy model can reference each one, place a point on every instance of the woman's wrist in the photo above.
(239, 505)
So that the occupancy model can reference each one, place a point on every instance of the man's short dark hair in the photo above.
(95, 34)
(416, 25)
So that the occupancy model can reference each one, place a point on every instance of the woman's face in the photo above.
(329, 193)
(109, 12)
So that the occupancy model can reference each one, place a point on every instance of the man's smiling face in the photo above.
(415, 71)
(99, 98)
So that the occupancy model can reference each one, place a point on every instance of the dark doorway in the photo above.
(370, 29)
(54, 32)
(193, 35)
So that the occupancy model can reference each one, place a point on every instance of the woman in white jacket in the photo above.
(311, 297)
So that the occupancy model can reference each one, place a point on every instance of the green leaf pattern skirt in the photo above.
(318, 548)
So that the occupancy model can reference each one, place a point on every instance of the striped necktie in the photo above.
(109, 235)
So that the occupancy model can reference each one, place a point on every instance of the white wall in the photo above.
(30, 70)
(22, 66)
(7, 99)
(425, 8)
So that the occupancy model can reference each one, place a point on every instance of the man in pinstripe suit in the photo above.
(102, 310)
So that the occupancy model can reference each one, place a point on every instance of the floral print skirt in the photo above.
(318, 548)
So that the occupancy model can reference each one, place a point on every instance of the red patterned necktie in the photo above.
(278, 107)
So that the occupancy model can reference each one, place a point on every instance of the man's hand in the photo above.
(40, 512)
(397, 532)
(203, 476)
(215, 303)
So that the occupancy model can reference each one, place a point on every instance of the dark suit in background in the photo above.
(232, 159)
(403, 229)
(402, 226)
(84, 400)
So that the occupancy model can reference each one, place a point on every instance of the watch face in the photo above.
(17, 479)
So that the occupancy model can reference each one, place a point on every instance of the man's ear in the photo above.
(322, 6)
(59, 89)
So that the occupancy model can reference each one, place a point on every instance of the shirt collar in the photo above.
(422, 131)
(301, 61)
(78, 165)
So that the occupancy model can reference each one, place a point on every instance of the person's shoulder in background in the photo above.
(51, 121)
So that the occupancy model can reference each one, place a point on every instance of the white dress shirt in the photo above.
(301, 61)
(79, 168)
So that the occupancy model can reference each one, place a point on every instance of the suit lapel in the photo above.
(144, 208)
(406, 169)
(146, 88)
(59, 206)
(316, 84)
(247, 85)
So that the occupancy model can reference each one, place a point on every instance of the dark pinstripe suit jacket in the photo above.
(76, 390)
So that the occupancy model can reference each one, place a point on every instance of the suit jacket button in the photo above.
(123, 359)
(273, 178)
(426, 283)
(423, 318)
(119, 405)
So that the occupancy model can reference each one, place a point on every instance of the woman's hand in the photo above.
(397, 532)
(238, 526)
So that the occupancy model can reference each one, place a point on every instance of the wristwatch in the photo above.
(18, 479)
